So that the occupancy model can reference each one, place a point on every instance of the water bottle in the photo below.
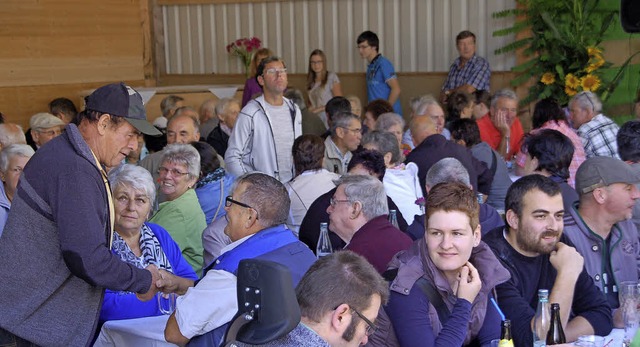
(541, 321)
(324, 243)
(393, 218)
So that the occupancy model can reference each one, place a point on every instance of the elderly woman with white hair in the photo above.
(13, 159)
(181, 213)
(400, 180)
(140, 243)
(393, 123)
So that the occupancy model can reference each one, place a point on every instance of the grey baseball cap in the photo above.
(599, 172)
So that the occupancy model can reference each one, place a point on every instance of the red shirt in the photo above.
(491, 135)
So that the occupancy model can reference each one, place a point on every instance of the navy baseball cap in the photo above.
(120, 100)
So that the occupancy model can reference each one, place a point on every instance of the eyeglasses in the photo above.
(51, 132)
(275, 72)
(229, 200)
(355, 131)
(363, 46)
(371, 328)
(174, 172)
(333, 201)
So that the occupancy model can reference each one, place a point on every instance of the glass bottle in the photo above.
(393, 218)
(506, 339)
(324, 243)
(555, 336)
(542, 319)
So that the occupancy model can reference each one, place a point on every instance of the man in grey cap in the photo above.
(56, 245)
(44, 128)
(599, 225)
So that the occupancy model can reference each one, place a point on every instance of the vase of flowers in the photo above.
(244, 48)
(561, 47)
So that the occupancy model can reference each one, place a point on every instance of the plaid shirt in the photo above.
(476, 72)
(599, 137)
(578, 153)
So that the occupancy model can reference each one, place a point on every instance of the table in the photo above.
(139, 332)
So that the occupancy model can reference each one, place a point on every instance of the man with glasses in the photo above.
(346, 133)
(256, 213)
(183, 128)
(266, 127)
(358, 214)
(339, 299)
(44, 128)
(382, 82)
(597, 131)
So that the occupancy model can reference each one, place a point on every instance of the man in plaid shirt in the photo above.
(597, 131)
(468, 72)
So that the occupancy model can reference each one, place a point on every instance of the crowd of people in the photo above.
(101, 211)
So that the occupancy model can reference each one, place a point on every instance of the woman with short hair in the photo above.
(140, 243)
(13, 159)
(180, 213)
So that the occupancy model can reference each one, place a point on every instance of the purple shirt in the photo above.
(251, 90)
(378, 241)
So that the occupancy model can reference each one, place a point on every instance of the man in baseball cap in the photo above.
(118, 99)
(58, 238)
(599, 225)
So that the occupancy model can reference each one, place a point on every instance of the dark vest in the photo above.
(276, 244)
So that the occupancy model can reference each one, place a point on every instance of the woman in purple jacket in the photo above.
(251, 88)
(461, 269)
(140, 243)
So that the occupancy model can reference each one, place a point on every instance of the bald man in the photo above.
(10, 134)
(431, 146)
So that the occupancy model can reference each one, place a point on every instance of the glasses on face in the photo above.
(355, 131)
(53, 132)
(333, 201)
(275, 72)
(174, 172)
(363, 46)
(371, 328)
(229, 200)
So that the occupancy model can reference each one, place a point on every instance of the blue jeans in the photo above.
(8, 339)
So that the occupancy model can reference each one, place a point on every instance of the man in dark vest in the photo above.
(256, 213)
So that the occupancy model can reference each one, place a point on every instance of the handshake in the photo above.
(166, 282)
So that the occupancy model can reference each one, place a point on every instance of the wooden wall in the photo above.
(54, 48)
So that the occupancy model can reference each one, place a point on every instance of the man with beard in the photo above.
(600, 225)
(538, 256)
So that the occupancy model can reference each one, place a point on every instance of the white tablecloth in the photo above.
(140, 332)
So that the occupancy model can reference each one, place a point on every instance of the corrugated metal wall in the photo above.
(416, 35)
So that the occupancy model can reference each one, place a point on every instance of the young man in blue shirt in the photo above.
(382, 82)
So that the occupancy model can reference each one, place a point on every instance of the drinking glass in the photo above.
(629, 295)
(167, 302)
(590, 341)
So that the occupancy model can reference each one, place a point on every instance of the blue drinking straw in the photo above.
(493, 301)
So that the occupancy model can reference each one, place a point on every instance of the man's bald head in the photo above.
(421, 128)
(10, 134)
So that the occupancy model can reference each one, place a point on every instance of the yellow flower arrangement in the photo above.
(590, 83)
(570, 91)
(548, 78)
(571, 81)
(594, 51)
